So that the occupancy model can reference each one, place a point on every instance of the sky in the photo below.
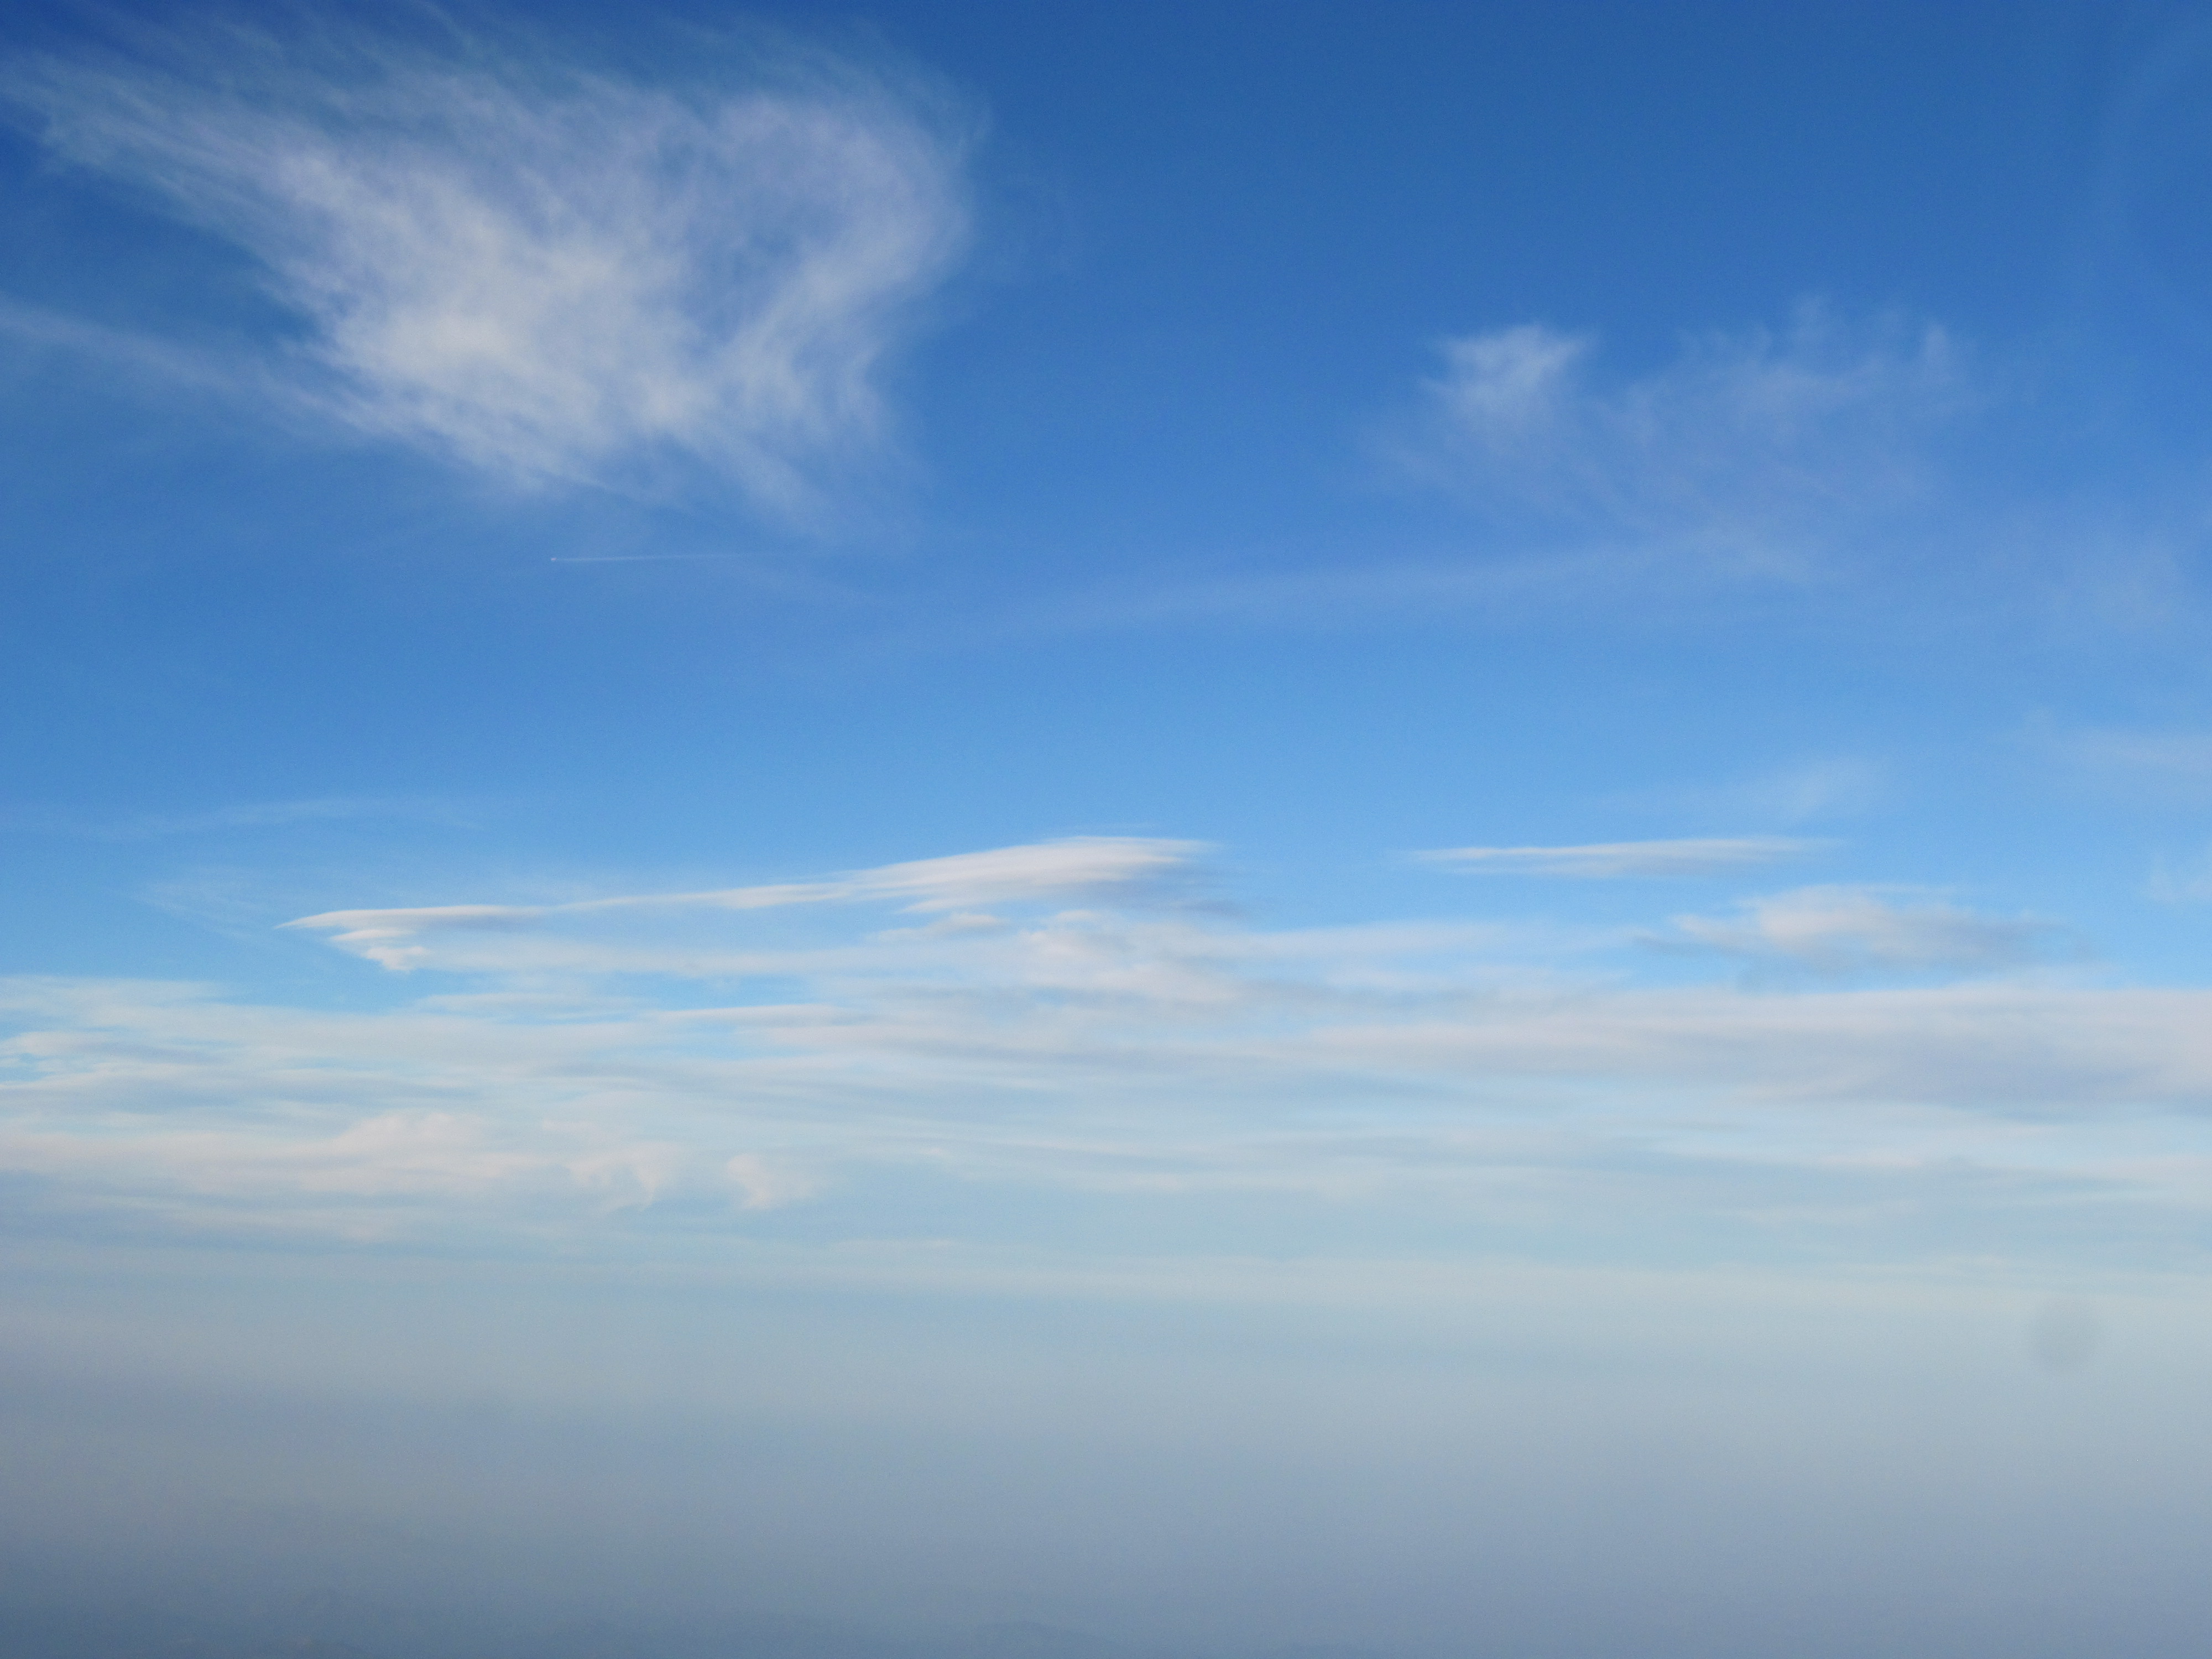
(1170, 829)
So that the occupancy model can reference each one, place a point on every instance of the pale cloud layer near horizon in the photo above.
(1067, 1015)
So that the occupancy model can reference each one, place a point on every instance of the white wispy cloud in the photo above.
(1861, 929)
(1609, 860)
(542, 270)
(1757, 446)
(1078, 868)
(1080, 1035)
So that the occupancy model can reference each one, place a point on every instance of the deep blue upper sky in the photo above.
(1211, 256)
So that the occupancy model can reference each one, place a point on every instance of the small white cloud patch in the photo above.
(1843, 930)
(1512, 385)
(1759, 446)
(761, 1184)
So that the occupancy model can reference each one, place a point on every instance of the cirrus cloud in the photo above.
(1758, 448)
(540, 270)
(1078, 867)
(1609, 860)
(1846, 930)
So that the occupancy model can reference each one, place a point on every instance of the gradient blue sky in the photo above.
(1234, 823)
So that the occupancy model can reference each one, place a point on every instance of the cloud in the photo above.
(1078, 868)
(1845, 930)
(1512, 387)
(1081, 1038)
(539, 269)
(1754, 446)
(1610, 860)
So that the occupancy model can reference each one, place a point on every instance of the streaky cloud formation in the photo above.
(537, 269)
(1850, 930)
(1758, 449)
(1077, 866)
(1611, 860)
(676, 1063)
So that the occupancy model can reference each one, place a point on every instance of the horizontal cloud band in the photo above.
(1054, 1015)
(1608, 860)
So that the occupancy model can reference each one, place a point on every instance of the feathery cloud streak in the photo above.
(1607, 860)
(541, 270)
(1078, 867)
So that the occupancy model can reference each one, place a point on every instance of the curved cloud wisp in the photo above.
(548, 273)
(1078, 868)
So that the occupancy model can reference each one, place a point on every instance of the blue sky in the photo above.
(1232, 824)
